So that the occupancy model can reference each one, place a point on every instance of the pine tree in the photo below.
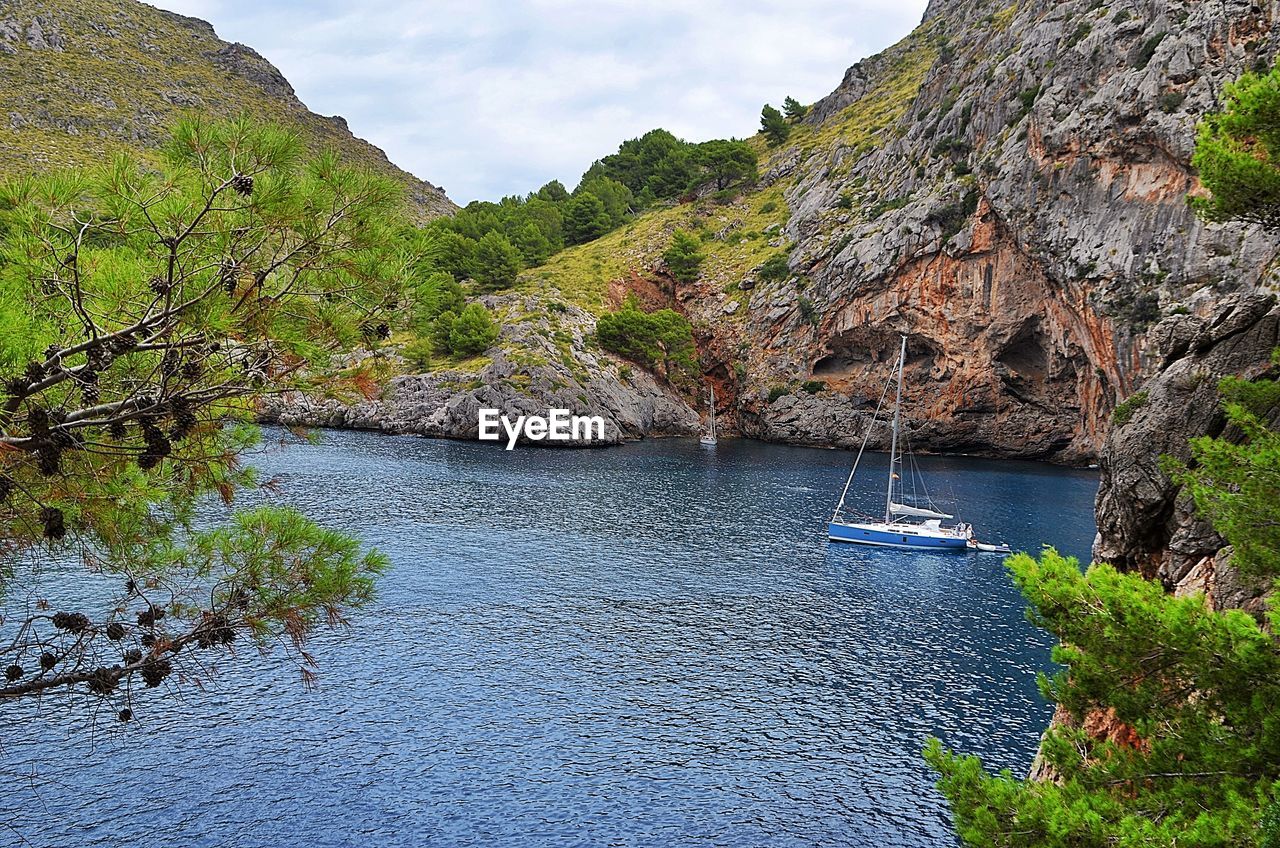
(684, 256)
(1237, 151)
(497, 262)
(534, 247)
(775, 127)
(794, 110)
(143, 306)
(585, 218)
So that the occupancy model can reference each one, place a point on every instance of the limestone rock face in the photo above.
(1144, 523)
(527, 374)
(1024, 222)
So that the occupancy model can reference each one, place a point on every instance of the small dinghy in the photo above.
(983, 547)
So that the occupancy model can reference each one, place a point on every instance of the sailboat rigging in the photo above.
(904, 525)
(709, 439)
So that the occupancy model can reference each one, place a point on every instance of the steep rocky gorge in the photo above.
(1007, 186)
(1024, 222)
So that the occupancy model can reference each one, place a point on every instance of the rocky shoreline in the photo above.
(542, 360)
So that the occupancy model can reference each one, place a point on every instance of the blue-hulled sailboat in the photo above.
(905, 525)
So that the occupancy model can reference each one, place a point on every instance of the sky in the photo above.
(494, 97)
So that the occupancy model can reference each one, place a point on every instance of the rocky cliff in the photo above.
(1007, 186)
(1145, 523)
(82, 80)
(1024, 222)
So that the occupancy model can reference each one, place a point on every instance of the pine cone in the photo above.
(102, 682)
(148, 617)
(115, 631)
(13, 672)
(125, 715)
(54, 527)
(159, 285)
(73, 622)
(38, 420)
(242, 184)
(49, 463)
(47, 661)
(154, 671)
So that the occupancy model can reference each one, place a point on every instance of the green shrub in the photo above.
(814, 386)
(768, 206)
(431, 295)
(845, 201)
(774, 268)
(497, 261)
(776, 392)
(1171, 100)
(473, 331)
(440, 330)
(683, 257)
(419, 352)
(1079, 34)
(884, 206)
(1147, 51)
(1125, 409)
(654, 339)
(951, 218)
(807, 310)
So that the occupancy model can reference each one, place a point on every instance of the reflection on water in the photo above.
(642, 646)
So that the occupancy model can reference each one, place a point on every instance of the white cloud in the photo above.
(489, 97)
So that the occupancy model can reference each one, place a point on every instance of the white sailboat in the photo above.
(904, 525)
(708, 440)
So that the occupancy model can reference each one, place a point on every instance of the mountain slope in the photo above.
(1007, 186)
(80, 80)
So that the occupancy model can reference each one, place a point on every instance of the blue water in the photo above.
(651, 645)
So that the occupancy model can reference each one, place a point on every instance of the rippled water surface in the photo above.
(651, 645)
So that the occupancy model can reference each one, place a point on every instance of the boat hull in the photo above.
(896, 536)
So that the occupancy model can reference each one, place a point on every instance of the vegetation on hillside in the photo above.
(661, 339)
(1189, 693)
(121, 73)
(141, 313)
(1237, 151)
(491, 242)
(740, 231)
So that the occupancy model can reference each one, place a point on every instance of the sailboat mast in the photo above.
(897, 421)
(713, 411)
